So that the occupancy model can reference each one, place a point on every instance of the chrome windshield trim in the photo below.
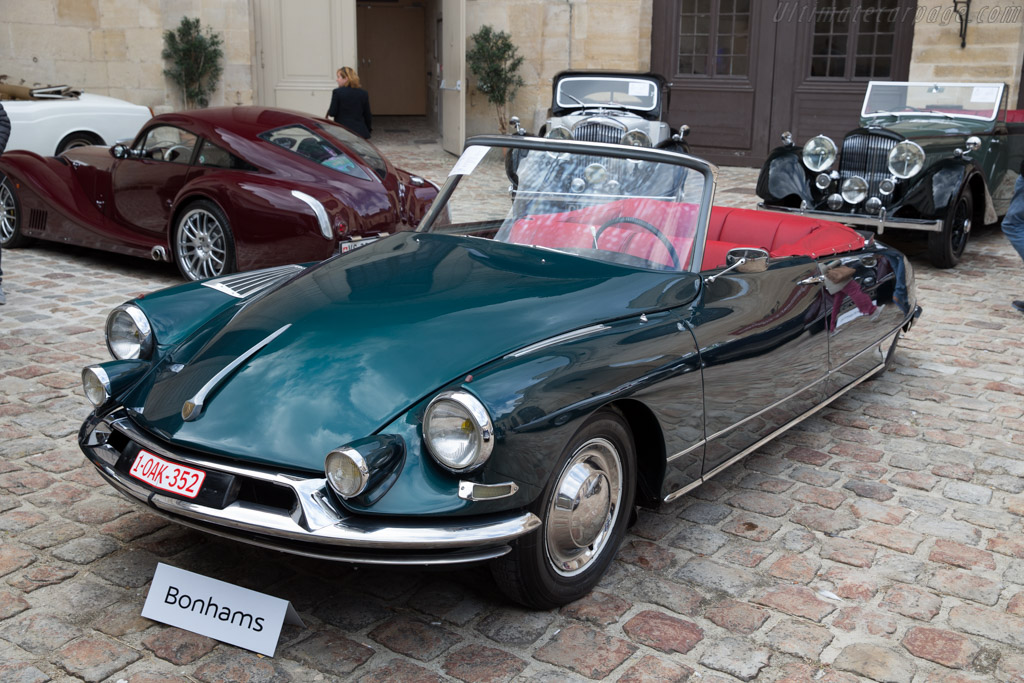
(193, 407)
(558, 339)
(878, 223)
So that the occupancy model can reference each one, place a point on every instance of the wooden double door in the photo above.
(744, 71)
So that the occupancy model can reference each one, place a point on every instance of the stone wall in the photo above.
(995, 44)
(552, 36)
(112, 47)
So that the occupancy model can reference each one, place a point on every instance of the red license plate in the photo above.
(167, 476)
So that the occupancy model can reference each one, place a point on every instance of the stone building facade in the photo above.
(114, 47)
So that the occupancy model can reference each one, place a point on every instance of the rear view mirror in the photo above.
(748, 260)
(120, 151)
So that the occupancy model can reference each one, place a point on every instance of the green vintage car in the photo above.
(573, 330)
(937, 157)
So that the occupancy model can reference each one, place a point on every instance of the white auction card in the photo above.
(219, 610)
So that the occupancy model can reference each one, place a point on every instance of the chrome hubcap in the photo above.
(202, 245)
(584, 507)
(8, 213)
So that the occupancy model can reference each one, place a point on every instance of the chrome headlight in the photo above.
(129, 334)
(458, 431)
(96, 384)
(637, 138)
(855, 189)
(906, 159)
(559, 133)
(819, 153)
(347, 472)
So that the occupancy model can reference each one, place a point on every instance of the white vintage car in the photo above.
(48, 121)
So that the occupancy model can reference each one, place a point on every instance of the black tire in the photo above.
(946, 247)
(79, 139)
(564, 559)
(203, 244)
(10, 217)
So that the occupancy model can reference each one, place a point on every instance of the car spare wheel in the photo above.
(203, 244)
(584, 508)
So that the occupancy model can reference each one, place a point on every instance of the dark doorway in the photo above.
(392, 40)
(743, 71)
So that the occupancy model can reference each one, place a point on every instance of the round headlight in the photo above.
(129, 334)
(96, 384)
(819, 153)
(559, 133)
(823, 181)
(835, 201)
(636, 138)
(886, 187)
(458, 430)
(347, 472)
(906, 159)
(855, 189)
(873, 205)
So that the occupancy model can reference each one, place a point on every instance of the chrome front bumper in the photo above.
(311, 524)
(879, 223)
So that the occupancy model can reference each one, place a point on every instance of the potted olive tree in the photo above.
(195, 61)
(494, 61)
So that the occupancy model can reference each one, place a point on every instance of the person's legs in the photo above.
(1013, 222)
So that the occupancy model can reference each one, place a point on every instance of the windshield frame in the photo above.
(999, 106)
(708, 171)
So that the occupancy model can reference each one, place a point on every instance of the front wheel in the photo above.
(584, 511)
(10, 216)
(946, 247)
(203, 244)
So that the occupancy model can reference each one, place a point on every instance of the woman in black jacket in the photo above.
(350, 104)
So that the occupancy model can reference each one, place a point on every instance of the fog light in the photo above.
(835, 201)
(873, 205)
(822, 181)
(855, 189)
(887, 187)
(347, 472)
(96, 384)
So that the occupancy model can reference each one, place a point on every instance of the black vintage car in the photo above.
(936, 157)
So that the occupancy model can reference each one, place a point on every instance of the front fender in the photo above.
(930, 195)
(784, 180)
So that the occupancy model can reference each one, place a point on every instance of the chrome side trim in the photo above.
(193, 407)
(800, 418)
(879, 223)
(243, 285)
(750, 417)
(699, 444)
(568, 336)
(470, 490)
(322, 220)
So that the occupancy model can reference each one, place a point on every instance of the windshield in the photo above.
(619, 209)
(969, 100)
(640, 94)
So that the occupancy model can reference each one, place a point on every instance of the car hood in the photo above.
(362, 337)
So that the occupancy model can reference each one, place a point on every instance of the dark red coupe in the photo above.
(216, 190)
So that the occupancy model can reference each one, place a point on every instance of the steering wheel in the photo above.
(174, 151)
(618, 220)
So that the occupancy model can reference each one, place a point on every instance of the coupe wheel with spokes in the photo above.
(584, 509)
(203, 244)
(10, 216)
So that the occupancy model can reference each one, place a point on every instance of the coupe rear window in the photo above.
(315, 147)
(364, 149)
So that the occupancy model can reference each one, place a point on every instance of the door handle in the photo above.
(812, 280)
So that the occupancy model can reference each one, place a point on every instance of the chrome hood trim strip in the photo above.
(244, 285)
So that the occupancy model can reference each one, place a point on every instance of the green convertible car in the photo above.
(572, 331)
(936, 157)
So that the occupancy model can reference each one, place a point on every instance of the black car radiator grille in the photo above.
(597, 132)
(867, 156)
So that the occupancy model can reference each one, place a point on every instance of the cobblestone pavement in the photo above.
(880, 539)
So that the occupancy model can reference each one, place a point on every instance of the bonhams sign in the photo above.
(217, 609)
